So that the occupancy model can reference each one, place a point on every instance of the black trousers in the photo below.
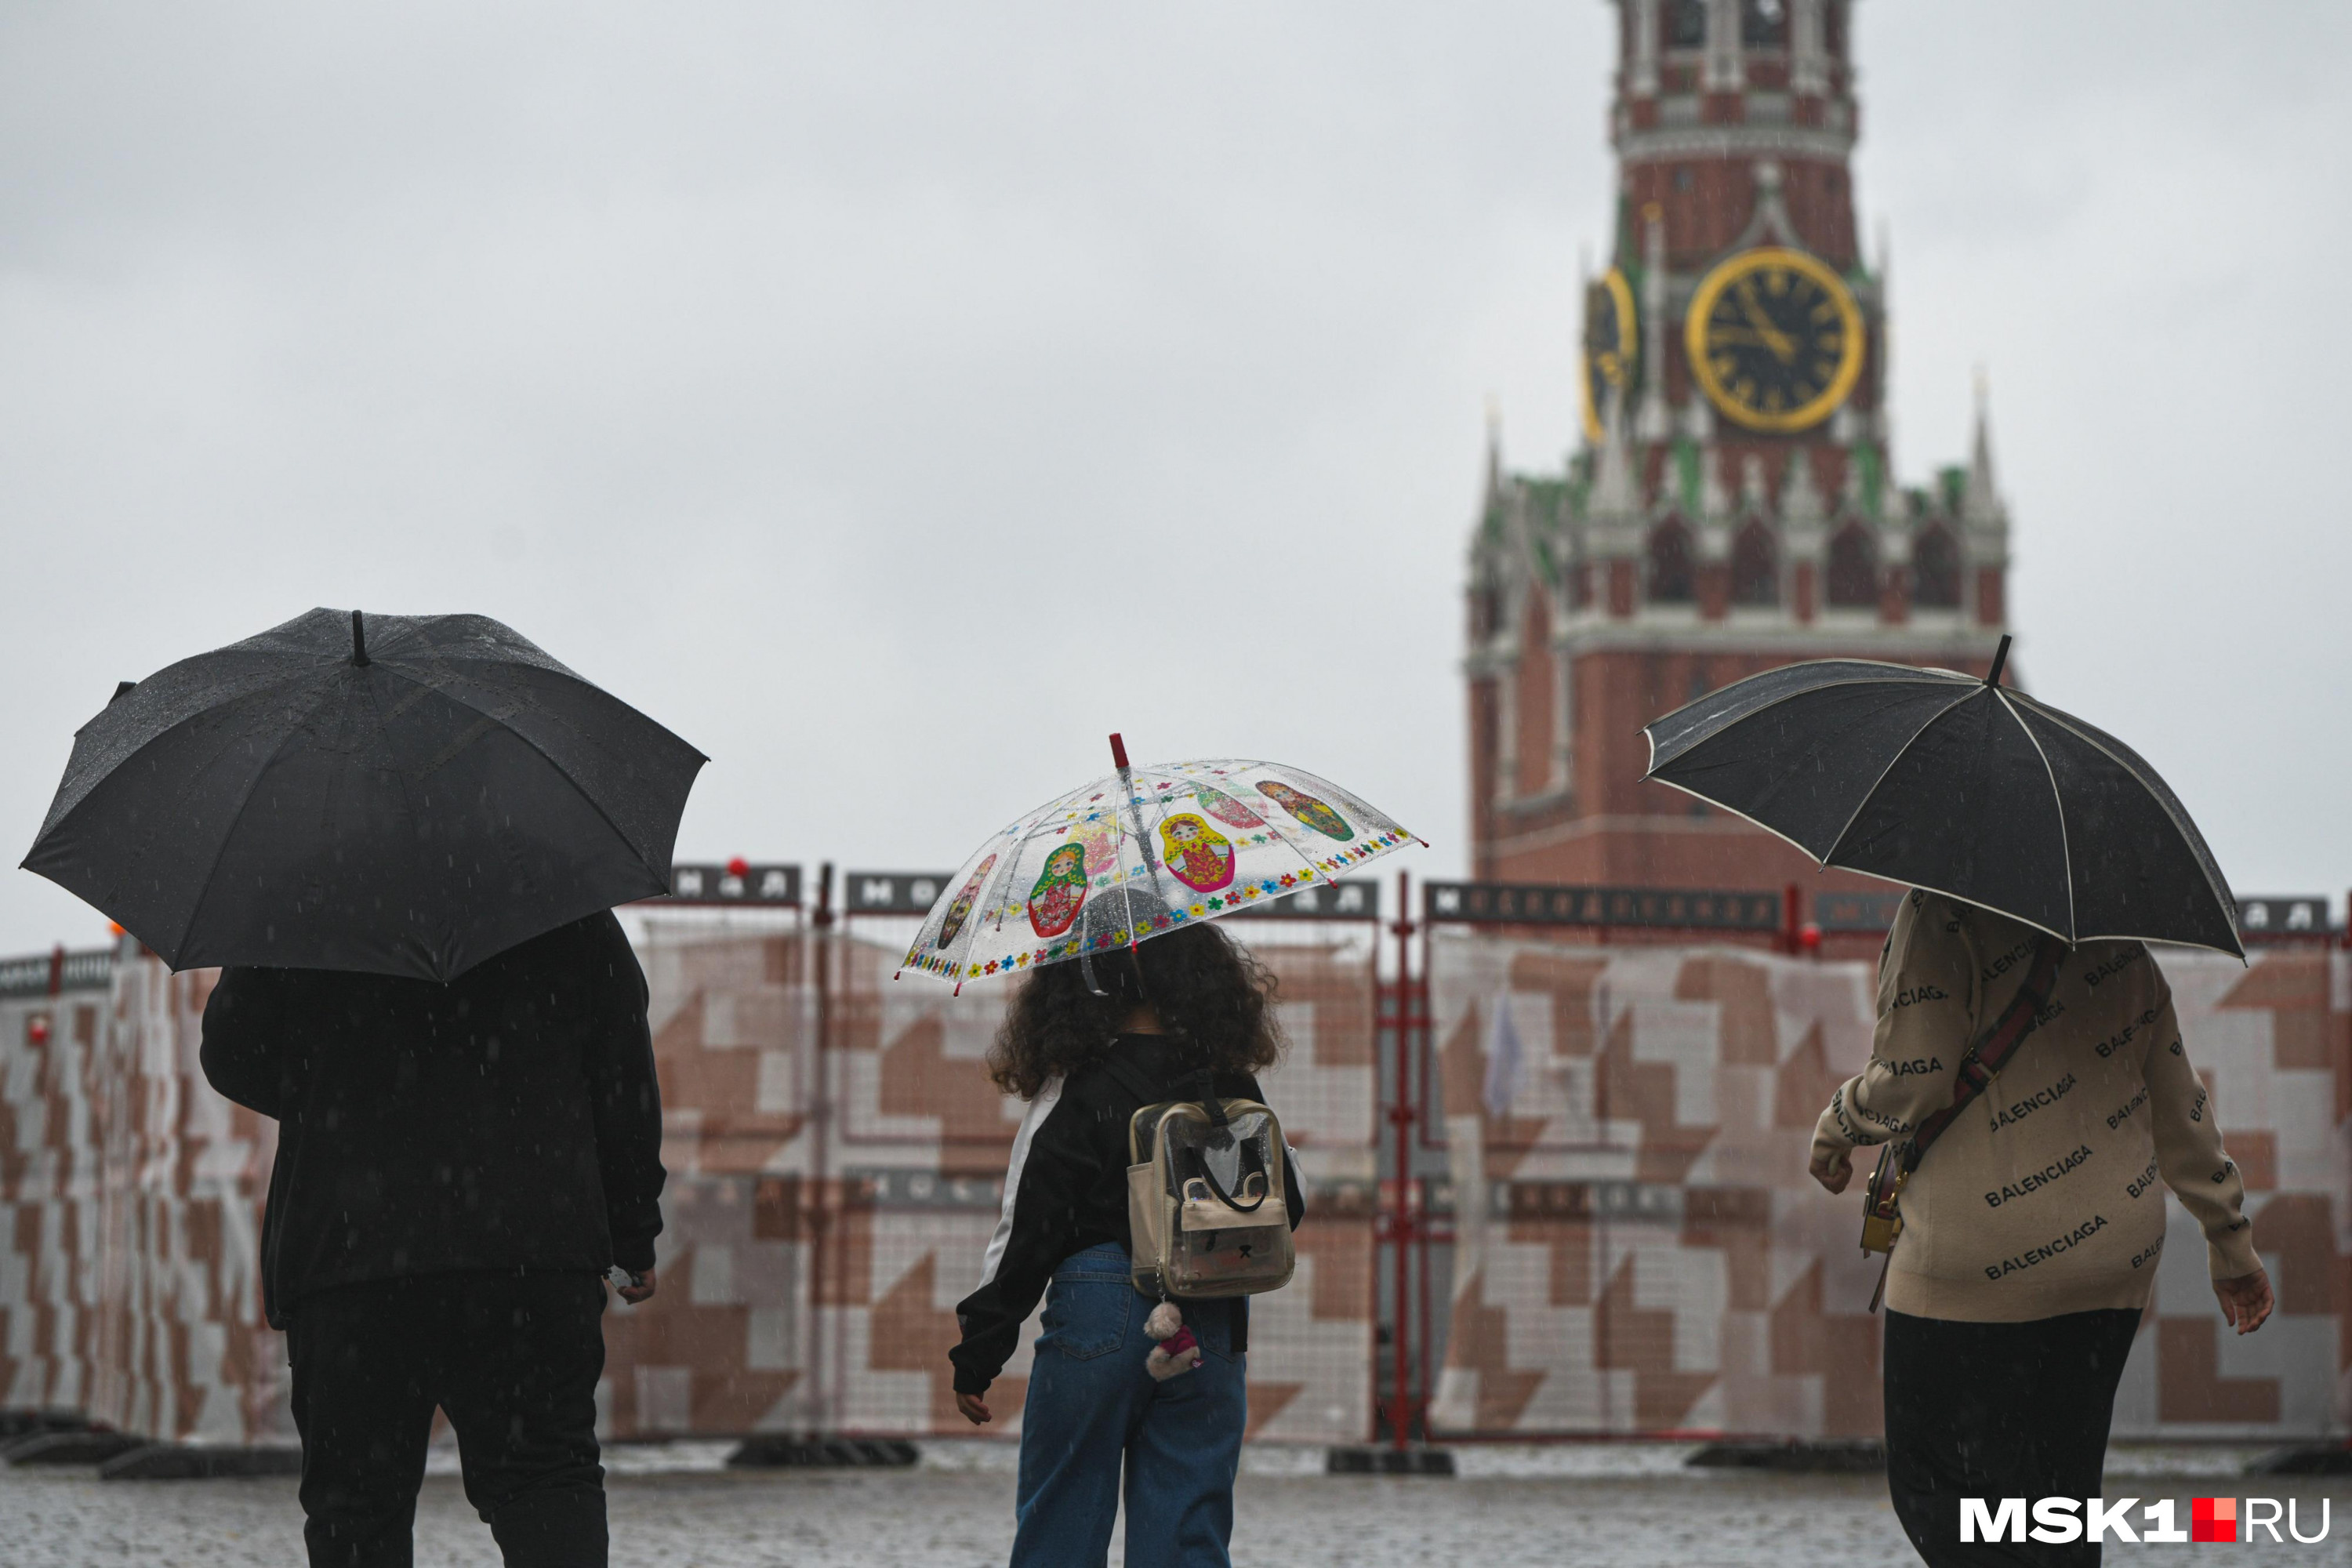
(513, 1359)
(1999, 1410)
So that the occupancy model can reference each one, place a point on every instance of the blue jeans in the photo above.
(1091, 1405)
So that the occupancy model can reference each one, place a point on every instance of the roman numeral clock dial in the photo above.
(1775, 339)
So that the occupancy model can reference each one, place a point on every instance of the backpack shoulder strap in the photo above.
(1991, 1050)
(1204, 1083)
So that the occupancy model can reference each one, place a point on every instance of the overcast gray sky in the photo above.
(894, 398)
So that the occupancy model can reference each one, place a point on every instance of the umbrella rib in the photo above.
(228, 831)
(2057, 802)
(1909, 670)
(56, 817)
(661, 875)
(1016, 838)
(2184, 827)
(1754, 822)
(1021, 831)
(1861, 805)
(948, 894)
(1881, 876)
(1857, 870)
(1315, 872)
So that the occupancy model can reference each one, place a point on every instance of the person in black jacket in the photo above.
(457, 1167)
(1175, 1007)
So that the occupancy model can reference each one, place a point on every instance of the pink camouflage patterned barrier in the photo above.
(1644, 1253)
(130, 1290)
(868, 1179)
(1640, 1250)
(824, 1212)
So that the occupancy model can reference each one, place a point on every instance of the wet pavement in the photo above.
(674, 1506)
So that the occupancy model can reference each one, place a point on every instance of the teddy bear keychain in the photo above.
(1174, 1351)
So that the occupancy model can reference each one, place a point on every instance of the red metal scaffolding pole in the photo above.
(819, 1198)
(1401, 1116)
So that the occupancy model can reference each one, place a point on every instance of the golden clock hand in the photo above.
(1783, 347)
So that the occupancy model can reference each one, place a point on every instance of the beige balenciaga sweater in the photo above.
(2042, 1197)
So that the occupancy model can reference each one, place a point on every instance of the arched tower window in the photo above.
(1764, 24)
(1755, 567)
(1686, 24)
(1936, 569)
(1670, 565)
(1854, 569)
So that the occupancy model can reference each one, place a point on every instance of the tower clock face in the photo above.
(1775, 339)
(1611, 346)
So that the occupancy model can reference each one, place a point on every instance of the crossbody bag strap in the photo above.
(1882, 1222)
(1993, 1049)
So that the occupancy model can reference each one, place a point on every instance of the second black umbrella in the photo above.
(399, 794)
(1939, 780)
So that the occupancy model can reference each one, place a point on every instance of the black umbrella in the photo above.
(1939, 780)
(404, 795)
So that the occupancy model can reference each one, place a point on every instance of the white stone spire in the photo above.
(1616, 487)
(1493, 450)
(1980, 505)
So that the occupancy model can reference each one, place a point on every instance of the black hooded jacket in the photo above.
(510, 1120)
(1066, 1191)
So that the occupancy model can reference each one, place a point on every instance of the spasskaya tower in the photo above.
(1733, 504)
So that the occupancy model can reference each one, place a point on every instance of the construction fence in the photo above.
(1636, 1246)
(1604, 1225)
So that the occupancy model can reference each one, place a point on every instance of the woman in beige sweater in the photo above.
(2032, 1225)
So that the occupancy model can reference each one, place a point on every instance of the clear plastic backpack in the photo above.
(1206, 1207)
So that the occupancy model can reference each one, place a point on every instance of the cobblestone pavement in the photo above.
(676, 1506)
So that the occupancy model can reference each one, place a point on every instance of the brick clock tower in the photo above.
(1733, 505)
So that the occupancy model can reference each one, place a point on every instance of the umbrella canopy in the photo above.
(1139, 853)
(403, 794)
(1939, 780)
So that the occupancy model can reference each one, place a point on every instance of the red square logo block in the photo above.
(2213, 1518)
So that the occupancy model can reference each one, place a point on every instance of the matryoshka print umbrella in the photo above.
(1138, 853)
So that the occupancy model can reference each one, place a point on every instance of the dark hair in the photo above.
(1208, 989)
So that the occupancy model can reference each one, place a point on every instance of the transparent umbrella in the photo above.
(1139, 853)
